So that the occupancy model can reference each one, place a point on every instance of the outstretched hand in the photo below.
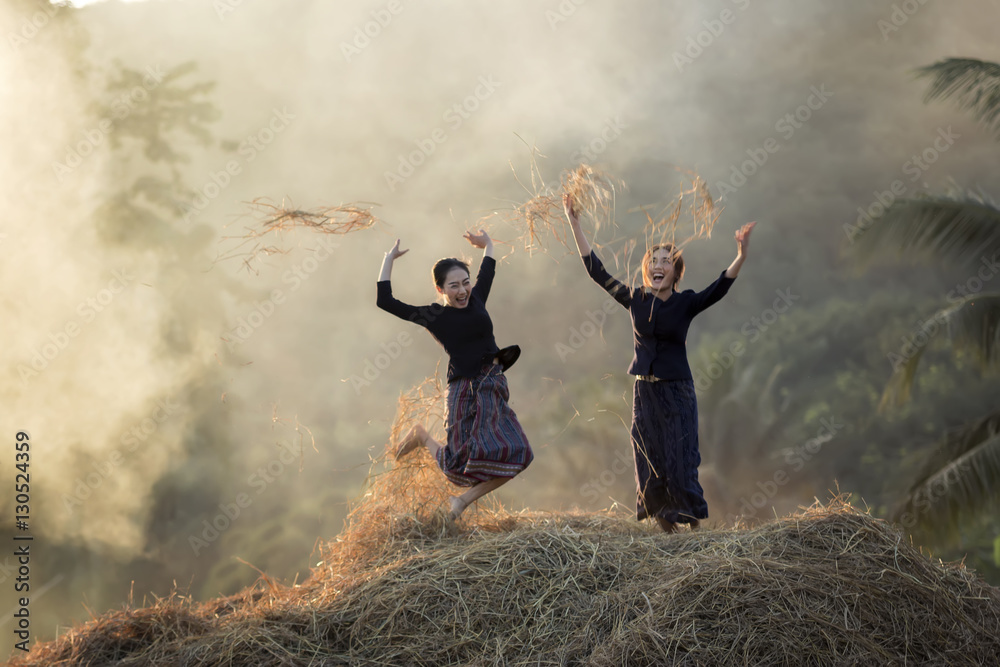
(743, 238)
(395, 252)
(569, 209)
(480, 240)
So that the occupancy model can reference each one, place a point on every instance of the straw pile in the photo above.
(829, 585)
(404, 586)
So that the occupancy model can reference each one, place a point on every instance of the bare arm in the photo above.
(394, 252)
(742, 244)
(582, 245)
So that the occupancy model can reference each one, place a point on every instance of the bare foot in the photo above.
(667, 526)
(457, 507)
(410, 442)
(695, 525)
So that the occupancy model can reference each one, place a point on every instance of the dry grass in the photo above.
(403, 586)
(689, 216)
(541, 220)
(263, 237)
(829, 585)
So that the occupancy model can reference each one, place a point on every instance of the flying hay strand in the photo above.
(541, 217)
(275, 220)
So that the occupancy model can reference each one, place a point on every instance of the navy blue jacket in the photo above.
(659, 327)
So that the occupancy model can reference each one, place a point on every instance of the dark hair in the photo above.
(443, 266)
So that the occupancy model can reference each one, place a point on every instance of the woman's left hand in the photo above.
(480, 240)
(743, 238)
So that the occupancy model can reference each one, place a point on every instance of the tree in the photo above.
(959, 228)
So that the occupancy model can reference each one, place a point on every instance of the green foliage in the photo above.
(960, 228)
(958, 480)
(958, 474)
(829, 362)
(158, 109)
(154, 114)
(974, 84)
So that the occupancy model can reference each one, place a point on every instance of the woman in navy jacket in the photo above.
(664, 408)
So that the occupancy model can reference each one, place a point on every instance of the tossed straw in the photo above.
(342, 219)
(593, 192)
(276, 220)
(694, 200)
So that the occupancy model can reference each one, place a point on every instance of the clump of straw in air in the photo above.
(274, 219)
(342, 219)
(591, 190)
(689, 216)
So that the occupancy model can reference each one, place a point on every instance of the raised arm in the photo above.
(484, 280)
(742, 244)
(390, 257)
(385, 300)
(618, 290)
(582, 245)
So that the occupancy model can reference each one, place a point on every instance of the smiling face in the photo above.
(456, 288)
(662, 267)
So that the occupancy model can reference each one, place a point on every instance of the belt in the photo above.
(648, 378)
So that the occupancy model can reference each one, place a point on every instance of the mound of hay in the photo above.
(829, 585)
(402, 585)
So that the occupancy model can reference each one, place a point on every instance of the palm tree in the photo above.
(962, 228)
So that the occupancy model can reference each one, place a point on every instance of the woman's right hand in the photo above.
(570, 211)
(395, 252)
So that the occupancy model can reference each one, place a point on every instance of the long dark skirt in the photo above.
(485, 440)
(665, 448)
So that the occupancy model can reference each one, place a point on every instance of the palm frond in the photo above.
(960, 477)
(962, 228)
(897, 390)
(973, 326)
(956, 444)
(974, 84)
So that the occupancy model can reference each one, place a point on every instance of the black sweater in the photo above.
(466, 333)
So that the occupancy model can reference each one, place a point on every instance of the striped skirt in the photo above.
(485, 440)
(665, 448)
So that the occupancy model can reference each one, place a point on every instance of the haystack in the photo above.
(402, 585)
(829, 585)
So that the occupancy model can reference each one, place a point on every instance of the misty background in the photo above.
(164, 385)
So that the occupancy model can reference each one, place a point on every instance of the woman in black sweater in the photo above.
(664, 407)
(486, 446)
